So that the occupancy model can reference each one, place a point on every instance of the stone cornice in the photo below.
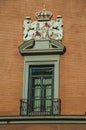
(59, 119)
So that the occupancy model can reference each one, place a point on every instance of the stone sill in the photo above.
(60, 119)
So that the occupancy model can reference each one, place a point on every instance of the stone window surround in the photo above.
(41, 60)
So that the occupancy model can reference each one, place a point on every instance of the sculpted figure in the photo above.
(27, 25)
(57, 28)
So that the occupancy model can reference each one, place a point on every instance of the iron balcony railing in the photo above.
(39, 107)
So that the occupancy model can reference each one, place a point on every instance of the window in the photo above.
(41, 86)
(41, 89)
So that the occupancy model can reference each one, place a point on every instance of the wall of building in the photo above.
(73, 62)
(44, 127)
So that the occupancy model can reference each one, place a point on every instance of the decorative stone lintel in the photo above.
(35, 47)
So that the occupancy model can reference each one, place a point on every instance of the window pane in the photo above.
(48, 92)
(37, 81)
(47, 81)
(42, 88)
(48, 105)
(37, 105)
(42, 70)
(37, 94)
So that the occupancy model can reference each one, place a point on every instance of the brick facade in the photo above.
(73, 62)
(73, 66)
(44, 127)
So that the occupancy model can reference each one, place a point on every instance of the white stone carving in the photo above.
(42, 30)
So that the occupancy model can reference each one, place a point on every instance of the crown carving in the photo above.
(44, 15)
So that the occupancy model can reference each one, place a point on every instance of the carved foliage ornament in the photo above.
(44, 28)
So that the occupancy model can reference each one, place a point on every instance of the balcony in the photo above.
(40, 107)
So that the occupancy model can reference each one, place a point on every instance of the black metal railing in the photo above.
(39, 107)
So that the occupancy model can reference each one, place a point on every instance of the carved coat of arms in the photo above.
(44, 28)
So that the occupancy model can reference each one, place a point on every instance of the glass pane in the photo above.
(41, 87)
(36, 86)
(42, 70)
(48, 105)
(37, 94)
(36, 99)
(37, 81)
(37, 105)
(48, 92)
(47, 81)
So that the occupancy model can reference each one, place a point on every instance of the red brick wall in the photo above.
(73, 63)
(44, 127)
